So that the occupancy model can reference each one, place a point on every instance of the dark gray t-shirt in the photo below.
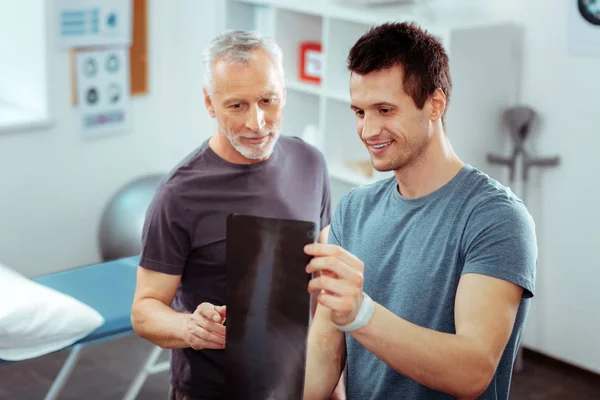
(184, 231)
(415, 251)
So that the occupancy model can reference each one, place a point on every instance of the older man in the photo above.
(246, 167)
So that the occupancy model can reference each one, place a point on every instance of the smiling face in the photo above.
(247, 102)
(393, 129)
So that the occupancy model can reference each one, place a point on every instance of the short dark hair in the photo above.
(421, 56)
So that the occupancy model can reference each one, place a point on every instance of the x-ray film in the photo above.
(268, 307)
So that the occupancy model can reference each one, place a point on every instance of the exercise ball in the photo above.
(123, 218)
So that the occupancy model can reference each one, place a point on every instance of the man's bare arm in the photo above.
(326, 350)
(460, 364)
(326, 357)
(152, 316)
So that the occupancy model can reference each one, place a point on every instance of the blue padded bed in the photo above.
(108, 288)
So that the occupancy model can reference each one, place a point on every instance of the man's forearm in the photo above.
(340, 390)
(325, 359)
(159, 324)
(445, 362)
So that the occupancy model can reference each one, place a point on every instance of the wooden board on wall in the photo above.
(138, 53)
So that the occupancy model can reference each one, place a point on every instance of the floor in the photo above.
(546, 379)
(104, 373)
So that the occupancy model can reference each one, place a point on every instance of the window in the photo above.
(23, 70)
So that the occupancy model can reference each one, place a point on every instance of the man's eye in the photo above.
(271, 101)
(359, 113)
(385, 110)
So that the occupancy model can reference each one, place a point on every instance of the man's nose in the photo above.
(256, 119)
(370, 128)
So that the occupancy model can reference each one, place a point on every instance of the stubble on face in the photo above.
(252, 151)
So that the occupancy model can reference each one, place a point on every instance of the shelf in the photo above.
(300, 86)
(338, 96)
(444, 17)
(292, 29)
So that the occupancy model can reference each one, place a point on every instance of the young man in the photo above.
(246, 167)
(428, 276)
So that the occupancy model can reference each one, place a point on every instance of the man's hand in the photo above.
(340, 280)
(205, 329)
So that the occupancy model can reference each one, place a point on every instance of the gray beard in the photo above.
(253, 152)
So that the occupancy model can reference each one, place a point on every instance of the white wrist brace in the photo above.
(362, 318)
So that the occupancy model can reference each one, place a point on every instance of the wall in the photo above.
(563, 88)
(55, 186)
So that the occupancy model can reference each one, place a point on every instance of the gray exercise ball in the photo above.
(123, 218)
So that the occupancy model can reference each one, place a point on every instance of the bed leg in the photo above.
(150, 367)
(64, 374)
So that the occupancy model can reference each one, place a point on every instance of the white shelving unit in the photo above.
(484, 57)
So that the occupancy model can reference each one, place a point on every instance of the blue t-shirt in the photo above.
(415, 251)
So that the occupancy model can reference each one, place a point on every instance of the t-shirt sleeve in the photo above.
(335, 230)
(166, 238)
(500, 241)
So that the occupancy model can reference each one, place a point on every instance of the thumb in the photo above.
(221, 310)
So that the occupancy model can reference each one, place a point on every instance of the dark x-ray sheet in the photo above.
(268, 307)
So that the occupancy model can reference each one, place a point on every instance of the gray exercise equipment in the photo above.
(519, 120)
(123, 218)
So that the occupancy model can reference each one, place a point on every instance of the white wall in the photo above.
(54, 186)
(563, 88)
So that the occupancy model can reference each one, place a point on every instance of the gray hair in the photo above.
(235, 46)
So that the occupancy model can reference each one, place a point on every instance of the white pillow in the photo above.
(37, 320)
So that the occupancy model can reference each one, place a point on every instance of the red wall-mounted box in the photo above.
(310, 62)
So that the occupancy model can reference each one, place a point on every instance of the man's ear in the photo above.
(438, 104)
(208, 103)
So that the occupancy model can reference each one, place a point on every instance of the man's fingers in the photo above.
(333, 286)
(213, 346)
(204, 323)
(206, 329)
(200, 344)
(341, 305)
(337, 267)
(203, 335)
(215, 327)
(222, 310)
(212, 338)
(209, 311)
(330, 250)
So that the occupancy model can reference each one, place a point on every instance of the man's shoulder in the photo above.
(298, 146)
(367, 195)
(191, 165)
(490, 200)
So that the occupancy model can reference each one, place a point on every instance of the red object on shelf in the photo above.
(310, 62)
